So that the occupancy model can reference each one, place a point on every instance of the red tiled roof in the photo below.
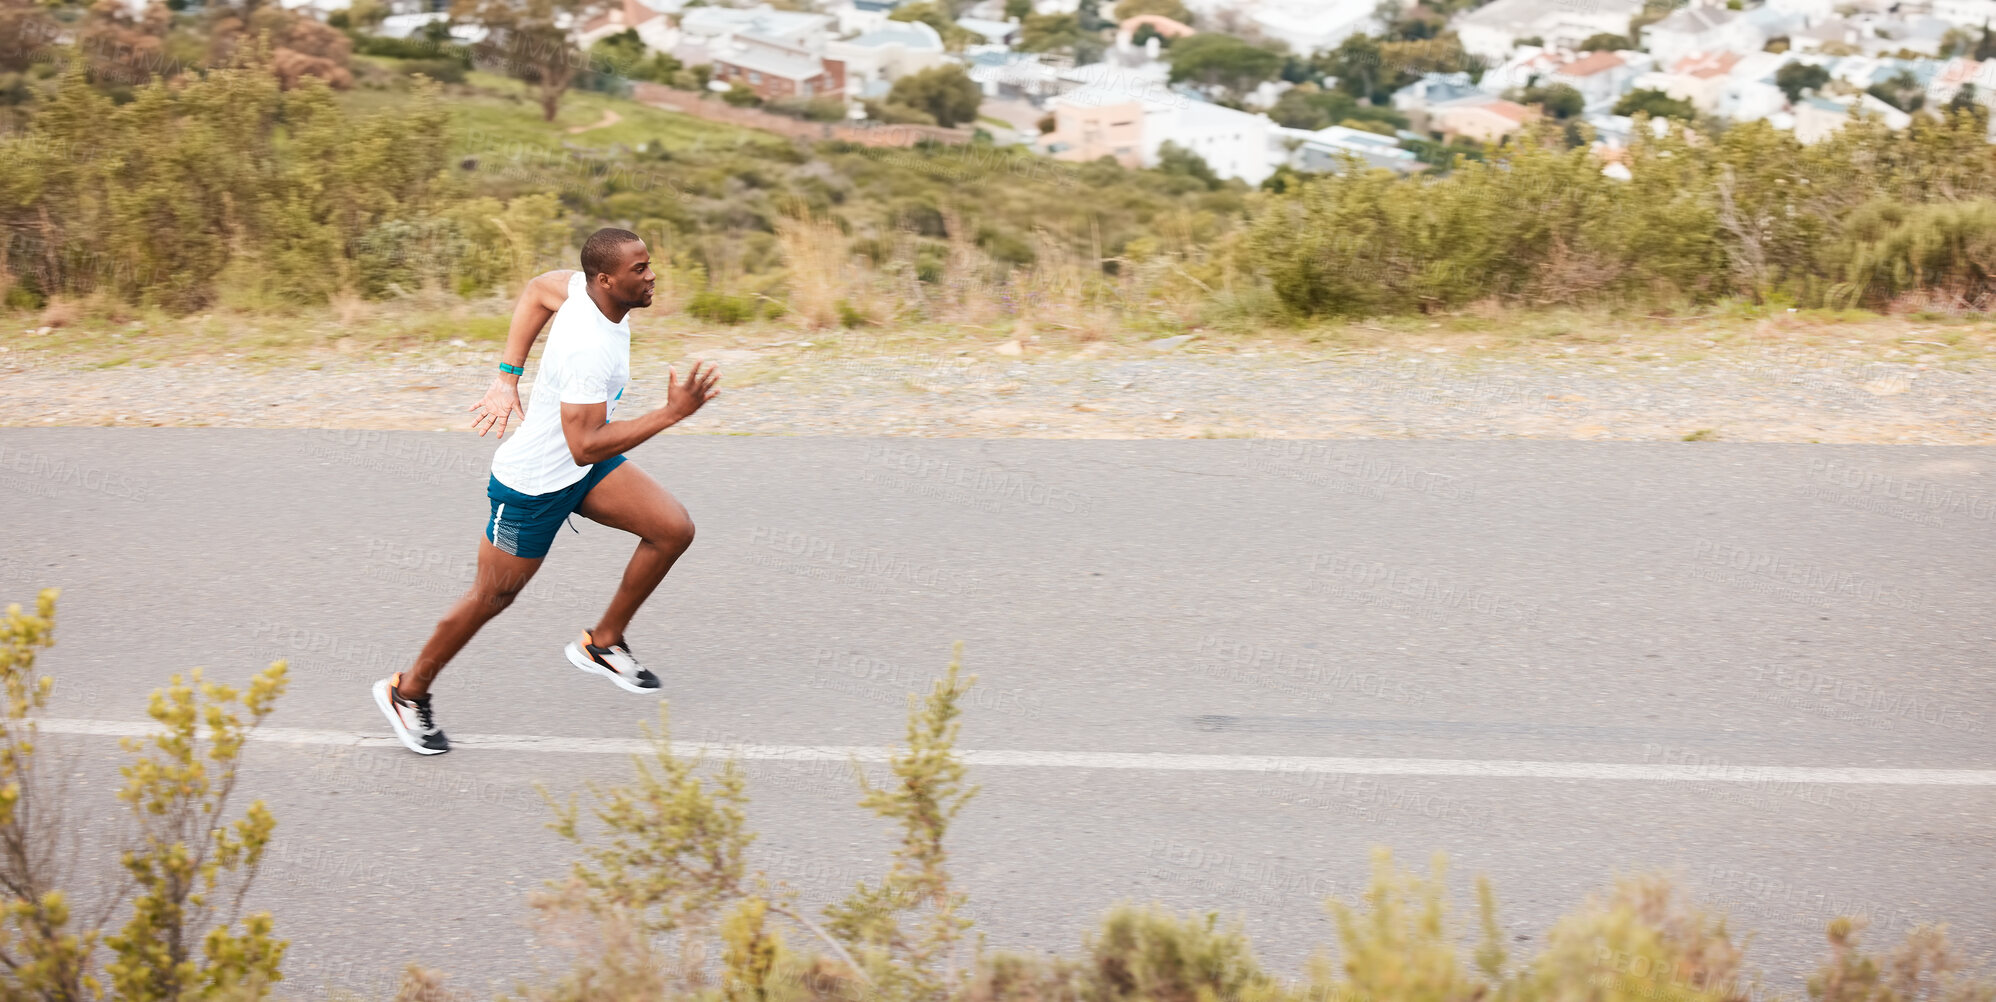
(1590, 64)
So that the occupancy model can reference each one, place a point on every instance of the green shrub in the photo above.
(448, 71)
(720, 308)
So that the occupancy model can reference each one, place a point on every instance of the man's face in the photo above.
(631, 282)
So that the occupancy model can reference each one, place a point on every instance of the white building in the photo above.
(878, 58)
(1100, 121)
(1701, 29)
(1312, 25)
(716, 27)
(1330, 149)
(1966, 13)
(1493, 30)
(1601, 77)
(1809, 11)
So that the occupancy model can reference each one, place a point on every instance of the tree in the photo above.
(1049, 32)
(1655, 104)
(1223, 61)
(1901, 92)
(1606, 41)
(26, 32)
(953, 35)
(1359, 66)
(1308, 107)
(946, 92)
(1557, 100)
(1018, 8)
(529, 39)
(624, 54)
(1174, 159)
(1173, 9)
(1794, 78)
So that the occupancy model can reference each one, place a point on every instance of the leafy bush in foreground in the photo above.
(185, 870)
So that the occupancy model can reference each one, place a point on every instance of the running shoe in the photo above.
(614, 662)
(415, 723)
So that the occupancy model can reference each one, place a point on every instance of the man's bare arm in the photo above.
(538, 301)
(592, 440)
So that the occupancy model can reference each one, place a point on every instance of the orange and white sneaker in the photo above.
(614, 662)
(414, 721)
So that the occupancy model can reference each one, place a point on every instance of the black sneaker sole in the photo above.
(402, 734)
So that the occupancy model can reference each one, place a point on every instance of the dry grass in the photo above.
(841, 306)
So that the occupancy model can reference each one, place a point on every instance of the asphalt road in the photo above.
(1698, 604)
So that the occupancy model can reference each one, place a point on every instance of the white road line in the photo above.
(1154, 761)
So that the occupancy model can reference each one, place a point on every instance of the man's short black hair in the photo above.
(599, 252)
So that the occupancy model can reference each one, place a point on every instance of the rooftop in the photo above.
(761, 20)
(772, 57)
(1706, 65)
(1590, 64)
(1522, 15)
(1695, 20)
(911, 34)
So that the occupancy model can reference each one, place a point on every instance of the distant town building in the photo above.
(875, 60)
(1104, 121)
(774, 70)
(1700, 29)
(1493, 30)
(1483, 118)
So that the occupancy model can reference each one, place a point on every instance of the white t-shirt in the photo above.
(587, 361)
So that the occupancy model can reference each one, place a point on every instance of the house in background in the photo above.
(775, 70)
(1329, 150)
(1601, 77)
(1415, 99)
(715, 27)
(1966, 13)
(1493, 30)
(1103, 120)
(1484, 118)
(1818, 118)
(1699, 78)
(1701, 29)
(875, 60)
(650, 22)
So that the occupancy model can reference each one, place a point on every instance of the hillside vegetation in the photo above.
(242, 188)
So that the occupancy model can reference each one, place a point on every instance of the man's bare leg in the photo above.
(629, 499)
(500, 578)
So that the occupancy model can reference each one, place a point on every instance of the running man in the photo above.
(566, 458)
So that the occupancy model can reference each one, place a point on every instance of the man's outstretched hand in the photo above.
(685, 396)
(502, 401)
